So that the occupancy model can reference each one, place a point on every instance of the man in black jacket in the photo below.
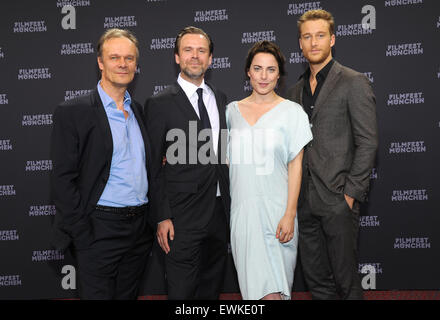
(100, 180)
(193, 184)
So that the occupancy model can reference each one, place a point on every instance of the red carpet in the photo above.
(369, 295)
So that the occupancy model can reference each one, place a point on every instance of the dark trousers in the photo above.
(112, 264)
(196, 263)
(328, 237)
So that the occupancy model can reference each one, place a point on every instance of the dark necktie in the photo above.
(202, 110)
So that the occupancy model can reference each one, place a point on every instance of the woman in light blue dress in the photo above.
(266, 137)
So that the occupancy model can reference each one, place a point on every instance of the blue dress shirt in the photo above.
(127, 184)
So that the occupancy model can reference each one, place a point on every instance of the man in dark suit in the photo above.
(337, 163)
(184, 123)
(101, 177)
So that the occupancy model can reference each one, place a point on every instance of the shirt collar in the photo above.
(190, 88)
(107, 101)
(322, 74)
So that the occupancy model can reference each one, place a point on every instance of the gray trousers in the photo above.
(328, 237)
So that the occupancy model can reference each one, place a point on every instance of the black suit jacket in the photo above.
(341, 155)
(185, 192)
(81, 151)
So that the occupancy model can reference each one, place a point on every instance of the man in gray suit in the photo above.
(337, 163)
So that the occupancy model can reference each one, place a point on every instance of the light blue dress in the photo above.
(258, 158)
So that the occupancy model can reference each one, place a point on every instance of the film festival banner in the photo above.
(48, 55)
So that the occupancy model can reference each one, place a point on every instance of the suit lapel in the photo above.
(103, 123)
(184, 104)
(327, 88)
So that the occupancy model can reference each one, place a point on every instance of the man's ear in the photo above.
(177, 58)
(100, 64)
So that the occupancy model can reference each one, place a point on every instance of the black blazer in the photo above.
(185, 192)
(81, 151)
(345, 138)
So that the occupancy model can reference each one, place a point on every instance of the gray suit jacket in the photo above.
(341, 155)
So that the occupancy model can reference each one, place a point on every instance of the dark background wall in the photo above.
(42, 64)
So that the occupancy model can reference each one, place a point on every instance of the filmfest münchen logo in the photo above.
(37, 120)
(407, 147)
(220, 63)
(9, 235)
(71, 94)
(409, 195)
(252, 37)
(373, 174)
(210, 15)
(369, 75)
(47, 255)
(376, 265)
(120, 22)
(44, 210)
(10, 280)
(404, 49)
(297, 57)
(356, 29)
(159, 88)
(369, 221)
(7, 190)
(38, 165)
(412, 243)
(76, 48)
(396, 99)
(74, 3)
(3, 98)
(5, 145)
(162, 43)
(300, 8)
(34, 74)
(394, 3)
(247, 87)
(30, 26)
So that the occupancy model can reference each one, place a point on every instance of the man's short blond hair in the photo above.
(316, 15)
(117, 33)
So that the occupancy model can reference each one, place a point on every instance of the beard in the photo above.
(318, 59)
(194, 74)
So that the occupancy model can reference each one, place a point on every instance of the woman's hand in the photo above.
(286, 227)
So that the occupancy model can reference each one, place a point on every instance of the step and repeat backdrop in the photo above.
(48, 55)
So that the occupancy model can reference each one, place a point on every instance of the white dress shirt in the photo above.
(190, 90)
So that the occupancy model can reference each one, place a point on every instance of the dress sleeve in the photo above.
(228, 114)
(228, 126)
(299, 133)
